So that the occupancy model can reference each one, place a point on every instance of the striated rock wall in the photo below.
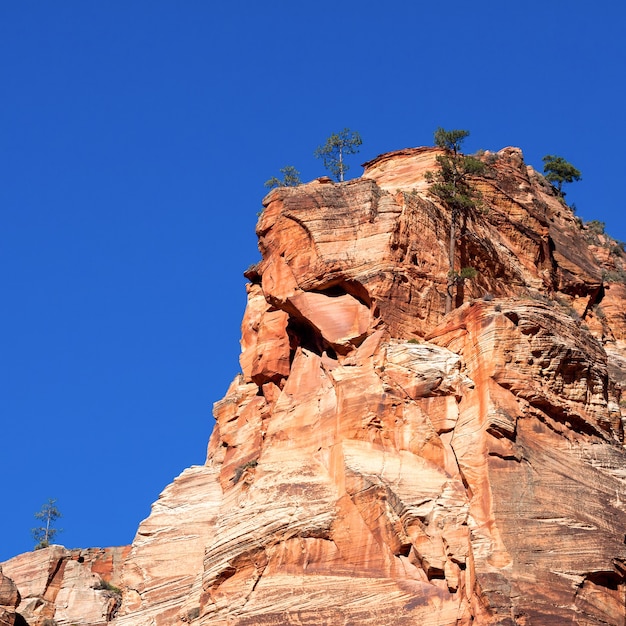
(9, 600)
(377, 462)
(66, 587)
(536, 444)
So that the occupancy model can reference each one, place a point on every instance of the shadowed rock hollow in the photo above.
(377, 462)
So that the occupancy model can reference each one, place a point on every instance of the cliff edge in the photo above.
(379, 462)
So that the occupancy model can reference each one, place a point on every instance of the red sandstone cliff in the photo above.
(377, 462)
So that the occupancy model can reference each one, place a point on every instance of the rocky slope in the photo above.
(59, 586)
(377, 462)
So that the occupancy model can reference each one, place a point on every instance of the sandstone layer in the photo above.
(379, 462)
(66, 587)
(9, 600)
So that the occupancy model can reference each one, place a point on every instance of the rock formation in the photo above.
(377, 462)
(59, 586)
(9, 600)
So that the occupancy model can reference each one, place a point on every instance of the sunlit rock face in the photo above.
(65, 587)
(538, 442)
(379, 462)
(9, 600)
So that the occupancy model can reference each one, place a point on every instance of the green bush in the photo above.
(105, 585)
(240, 469)
(618, 276)
(596, 227)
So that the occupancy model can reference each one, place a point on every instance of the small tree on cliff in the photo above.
(452, 185)
(49, 514)
(337, 146)
(291, 178)
(559, 171)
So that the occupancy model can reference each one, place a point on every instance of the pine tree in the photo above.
(337, 146)
(559, 171)
(452, 185)
(43, 535)
(291, 178)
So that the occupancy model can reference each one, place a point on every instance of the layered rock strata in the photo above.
(9, 600)
(64, 587)
(378, 462)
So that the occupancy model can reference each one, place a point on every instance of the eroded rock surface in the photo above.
(9, 600)
(377, 462)
(65, 587)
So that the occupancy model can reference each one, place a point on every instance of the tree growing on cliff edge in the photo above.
(450, 140)
(337, 146)
(452, 185)
(49, 514)
(559, 171)
(291, 178)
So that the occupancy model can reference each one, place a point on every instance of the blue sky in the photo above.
(136, 137)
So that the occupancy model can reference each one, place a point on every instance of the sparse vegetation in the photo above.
(595, 227)
(558, 171)
(44, 535)
(465, 274)
(452, 185)
(291, 178)
(614, 276)
(240, 469)
(567, 308)
(105, 585)
(115, 595)
(594, 234)
(488, 157)
(540, 297)
(491, 158)
(337, 146)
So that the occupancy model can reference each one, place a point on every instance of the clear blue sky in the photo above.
(136, 137)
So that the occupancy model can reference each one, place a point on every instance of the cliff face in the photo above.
(379, 462)
(59, 586)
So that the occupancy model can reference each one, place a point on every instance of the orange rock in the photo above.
(341, 321)
(68, 586)
(264, 341)
(9, 600)
(359, 476)
(379, 462)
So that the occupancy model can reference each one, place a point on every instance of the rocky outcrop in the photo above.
(379, 462)
(536, 444)
(9, 600)
(65, 587)
(161, 571)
